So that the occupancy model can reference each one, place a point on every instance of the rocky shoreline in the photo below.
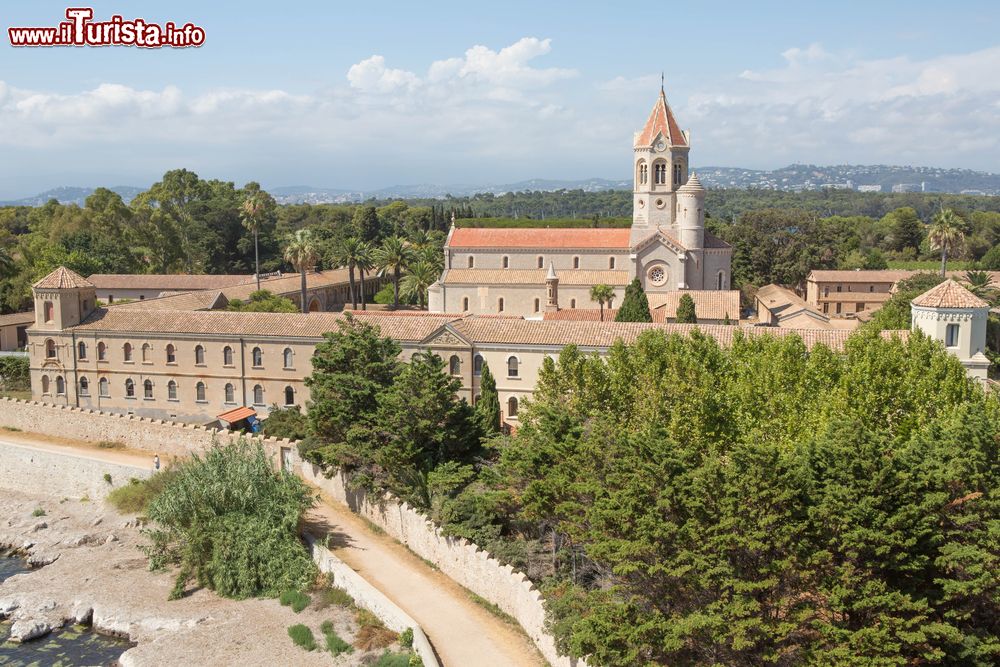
(86, 568)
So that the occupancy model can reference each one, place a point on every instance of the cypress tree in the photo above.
(685, 310)
(635, 305)
(488, 406)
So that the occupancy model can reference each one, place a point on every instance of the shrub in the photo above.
(393, 660)
(230, 522)
(372, 633)
(107, 477)
(297, 600)
(333, 596)
(286, 423)
(406, 638)
(15, 374)
(38, 511)
(302, 636)
(134, 497)
(334, 643)
(111, 444)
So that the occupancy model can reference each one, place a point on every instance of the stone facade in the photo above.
(666, 247)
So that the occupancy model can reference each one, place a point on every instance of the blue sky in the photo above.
(366, 95)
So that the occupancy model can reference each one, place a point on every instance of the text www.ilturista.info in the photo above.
(80, 30)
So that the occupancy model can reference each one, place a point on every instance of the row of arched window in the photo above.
(146, 352)
(659, 173)
(130, 388)
(455, 365)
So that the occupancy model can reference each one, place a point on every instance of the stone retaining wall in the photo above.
(168, 438)
(372, 599)
(61, 474)
(459, 559)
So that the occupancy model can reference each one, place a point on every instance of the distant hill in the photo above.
(71, 195)
(793, 178)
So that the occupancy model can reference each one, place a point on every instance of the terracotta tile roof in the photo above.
(291, 283)
(949, 294)
(879, 276)
(785, 304)
(224, 323)
(12, 319)
(661, 121)
(604, 334)
(236, 414)
(594, 315)
(167, 282)
(708, 304)
(62, 278)
(541, 238)
(200, 300)
(534, 277)
(713, 241)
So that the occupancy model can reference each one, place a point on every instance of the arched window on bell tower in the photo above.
(660, 173)
(678, 173)
(642, 176)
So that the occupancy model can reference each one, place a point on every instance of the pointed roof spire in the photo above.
(552, 273)
(63, 278)
(692, 185)
(661, 121)
(949, 294)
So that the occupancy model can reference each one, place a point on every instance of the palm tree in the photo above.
(427, 247)
(393, 255)
(301, 253)
(602, 294)
(363, 260)
(252, 213)
(980, 282)
(418, 278)
(347, 254)
(947, 232)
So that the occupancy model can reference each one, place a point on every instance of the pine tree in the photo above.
(685, 310)
(488, 406)
(635, 305)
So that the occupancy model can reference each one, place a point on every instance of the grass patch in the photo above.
(493, 609)
(111, 444)
(297, 600)
(18, 394)
(372, 633)
(332, 596)
(334, 643)
(375, 528)
(396, 660)
(38, 511)
(10, 429)
(134, 497)
(302, 637)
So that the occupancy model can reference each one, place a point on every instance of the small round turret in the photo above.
(691, 213)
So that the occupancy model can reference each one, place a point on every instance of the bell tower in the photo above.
(63, 299)
(660, 167)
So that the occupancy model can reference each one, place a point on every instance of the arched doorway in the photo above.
(314, 305)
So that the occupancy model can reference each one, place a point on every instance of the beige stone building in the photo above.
(194, 365)
(529, 271)
(14, 330)
(957, 317)
(113, 287)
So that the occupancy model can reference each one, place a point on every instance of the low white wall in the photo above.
(459, 559)
(165, 437)
(372, 599)
(62, 475)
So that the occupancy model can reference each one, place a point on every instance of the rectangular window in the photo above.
(838, 308)
(951, 336)
(858, 307)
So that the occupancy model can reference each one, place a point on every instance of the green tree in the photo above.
(488, 405)
(419, 424)
(393, 255)
(350, 367)
(365, 262)
(602, 294)
(263, 301)
(365, 223)
(348, 253)
(253, 212)
(991, 260)
(301, 253)
(905, 228)
(635, 305)
(946, 233)
(418, 278)
(685, 310)
(895, 313)
(980, 283)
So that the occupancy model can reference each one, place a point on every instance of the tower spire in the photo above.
(662, 92)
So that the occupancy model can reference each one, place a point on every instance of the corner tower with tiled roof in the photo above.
(660, 167)
(955, 316)
(63, 299)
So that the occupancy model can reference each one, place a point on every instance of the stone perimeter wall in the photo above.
(372, 599)
(167, 438)
(61, 474)
(461, 560)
